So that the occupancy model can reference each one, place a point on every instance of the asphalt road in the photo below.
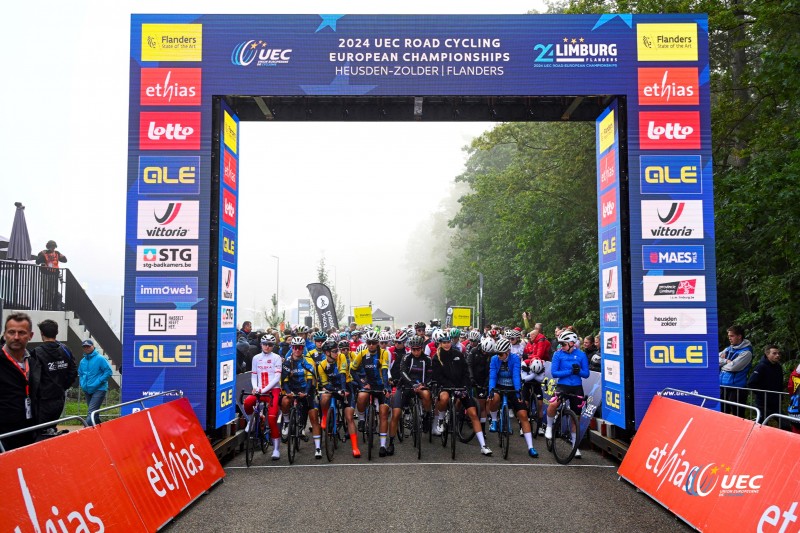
(399, 493)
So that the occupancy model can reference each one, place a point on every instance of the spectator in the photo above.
(734, 365)
(768, 376)
(794, 389)
(247, 327)
(93, 373)
(58, 373)
(589, 347)
(243, 357)
(49, 259)
(539, 347)
(20, 374)
(597, 341)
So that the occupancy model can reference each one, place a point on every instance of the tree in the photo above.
(274, 318)
(322, 277)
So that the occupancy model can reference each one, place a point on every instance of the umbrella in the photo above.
(19, 243)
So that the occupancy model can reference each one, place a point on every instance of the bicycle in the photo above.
(334, 423)
(296, 412)
(449, 429)
(564, 421)
(370, 420)
(255, 437)
(504, 423)
(464, 428)
(534, 415)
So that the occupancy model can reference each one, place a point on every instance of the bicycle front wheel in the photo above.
(369, 421)
(505, 431)
(251, 441)
(451, 427)
(294, 436)
(330, 433)
(563, 447)
(464, 427)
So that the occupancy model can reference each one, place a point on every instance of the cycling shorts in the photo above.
(514, 403)
(577, 390)
(379, 396)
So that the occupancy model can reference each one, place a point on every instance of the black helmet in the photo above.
(327, 346)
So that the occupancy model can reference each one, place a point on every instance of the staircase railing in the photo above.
(77, 301)
(31, 287)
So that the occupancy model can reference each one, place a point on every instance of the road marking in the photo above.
(334, 465)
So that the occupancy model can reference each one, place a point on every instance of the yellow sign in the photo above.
(229, 132)
(607, 132)
(363, 315)
(667, 42)
(462, 317)
(172, 42)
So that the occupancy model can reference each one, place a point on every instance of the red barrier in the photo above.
(716, 471)
(134, 473)
(163, 458)
(64, 484)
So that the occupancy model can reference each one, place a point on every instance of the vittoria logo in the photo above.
(672, 220)
(168, 220)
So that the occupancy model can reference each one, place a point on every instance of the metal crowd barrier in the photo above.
(38, 427)
(140, 401)
(705, 398)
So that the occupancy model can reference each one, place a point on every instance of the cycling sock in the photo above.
(481, 440)
(276, 443)
(528, 439)
(574, 436)
(439, 415)
(549, 421)
(493, 414)
(354, 441)
(360, 415)
(383, 440)
(317, 439)
(483, 420)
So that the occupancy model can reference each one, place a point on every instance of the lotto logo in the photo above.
(229, 208)
(669, 130)
(608, 208)
(169, 131)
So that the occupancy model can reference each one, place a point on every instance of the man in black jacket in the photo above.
(20, 375)
(58, 372)
(767, 376)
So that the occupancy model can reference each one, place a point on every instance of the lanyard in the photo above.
(24, 373)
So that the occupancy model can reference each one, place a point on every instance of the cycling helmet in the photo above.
(474, 335)
(487, 344)
(455, 333)
(400, 336)
(502, 346)
(268, 339)
(298, 341)
(342, 335)
(328, 346)
(537, 366)
(385, 336)
(355, 332)
(439, 336)
(301, 329)
(418, 325)
(512, 334)
(463, 335)
(344, 343)
(428, 330)
(410, 332)
(596, 359)
(416, 341)
(568, 336)
(333, 338)
(320, 336)
(493, 333)
(371, 336)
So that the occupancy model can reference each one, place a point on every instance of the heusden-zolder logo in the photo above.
(171, 86)
(169, 175)
(229, 169)
(168, 220)
(669, 130)
(673, 257)
(667, 42)
(172, 42)
(575, 51)
(666, 219)
(608, 169)
(671, 174)
(169, 131)
(669, 86)
(259, 53)
(675, 321)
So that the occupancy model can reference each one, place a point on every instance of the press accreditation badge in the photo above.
(28, 410)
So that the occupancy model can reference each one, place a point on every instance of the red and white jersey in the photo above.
(266, 371)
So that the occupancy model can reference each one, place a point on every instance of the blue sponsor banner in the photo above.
(673, 257)
(676, 354)
(671, 174)
(164, 289)
(610, 316)
(169, 175)
(160, 354)
(228, 245)
(608, 246)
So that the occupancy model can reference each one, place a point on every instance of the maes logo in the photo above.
(668, 86)
(257, 51)
(169, 131)
(165, 354)
(611, 316)
(676, 354)
(672, 220)
(167, 86)
(169, 175)
(667, 42)
(155, 258)
(673, 257)
(172, 42)
(671, 174)
(575, 52)
(168, 220)
(674, 288)
(661, 130)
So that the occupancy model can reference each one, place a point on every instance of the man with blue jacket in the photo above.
(93, 374)
(570, 367)
(734, 365)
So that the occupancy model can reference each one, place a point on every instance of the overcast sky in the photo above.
(64, 153)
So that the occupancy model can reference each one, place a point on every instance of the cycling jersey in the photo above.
(450, 369)
(294, 375)
(396, 358)
(333, 376)
(267, 368)
(561, 368)
(505, 374)
(518, 349)
(374, 368)
(414, 370)
(478, 363)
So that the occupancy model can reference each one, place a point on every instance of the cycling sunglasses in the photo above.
(372, 342)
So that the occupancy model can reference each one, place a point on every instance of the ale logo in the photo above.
(670, 174)
(228, 245)
(609, 246)
(168, 175)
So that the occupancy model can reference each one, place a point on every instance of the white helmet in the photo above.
(438, 335)
(537, 366)
(385, 336)
(596, 358)
(502, 346)
(487, 344)
(568, 336)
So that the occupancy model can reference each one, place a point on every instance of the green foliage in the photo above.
(273, 317)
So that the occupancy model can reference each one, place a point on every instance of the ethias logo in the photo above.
(167, 86)
(253, 51)
(668, 86)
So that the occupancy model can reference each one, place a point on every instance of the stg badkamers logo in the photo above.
(168, 220)
(671, 174)
(169, 175)
(257, 52)
(667, 42)
(152, 258)
(575, 52)
(673, 257)
(665, 219)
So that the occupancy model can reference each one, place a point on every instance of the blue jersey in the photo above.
(294, 375)
(505, 374)
(561, 368)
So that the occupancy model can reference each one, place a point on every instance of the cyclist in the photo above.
(396, 354)
(419, 329)
(295, 379)
(478, 363)
(355, 341)
(455, 339)
(450, 371)
(315, 353)
(302, 332)
(436, 338)
(265, 379)
(334, 378)
(371, 364)
(532, 377)
(514, 337)
(414, 375)
(384, 338)
(504, 376)
(569, 366)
